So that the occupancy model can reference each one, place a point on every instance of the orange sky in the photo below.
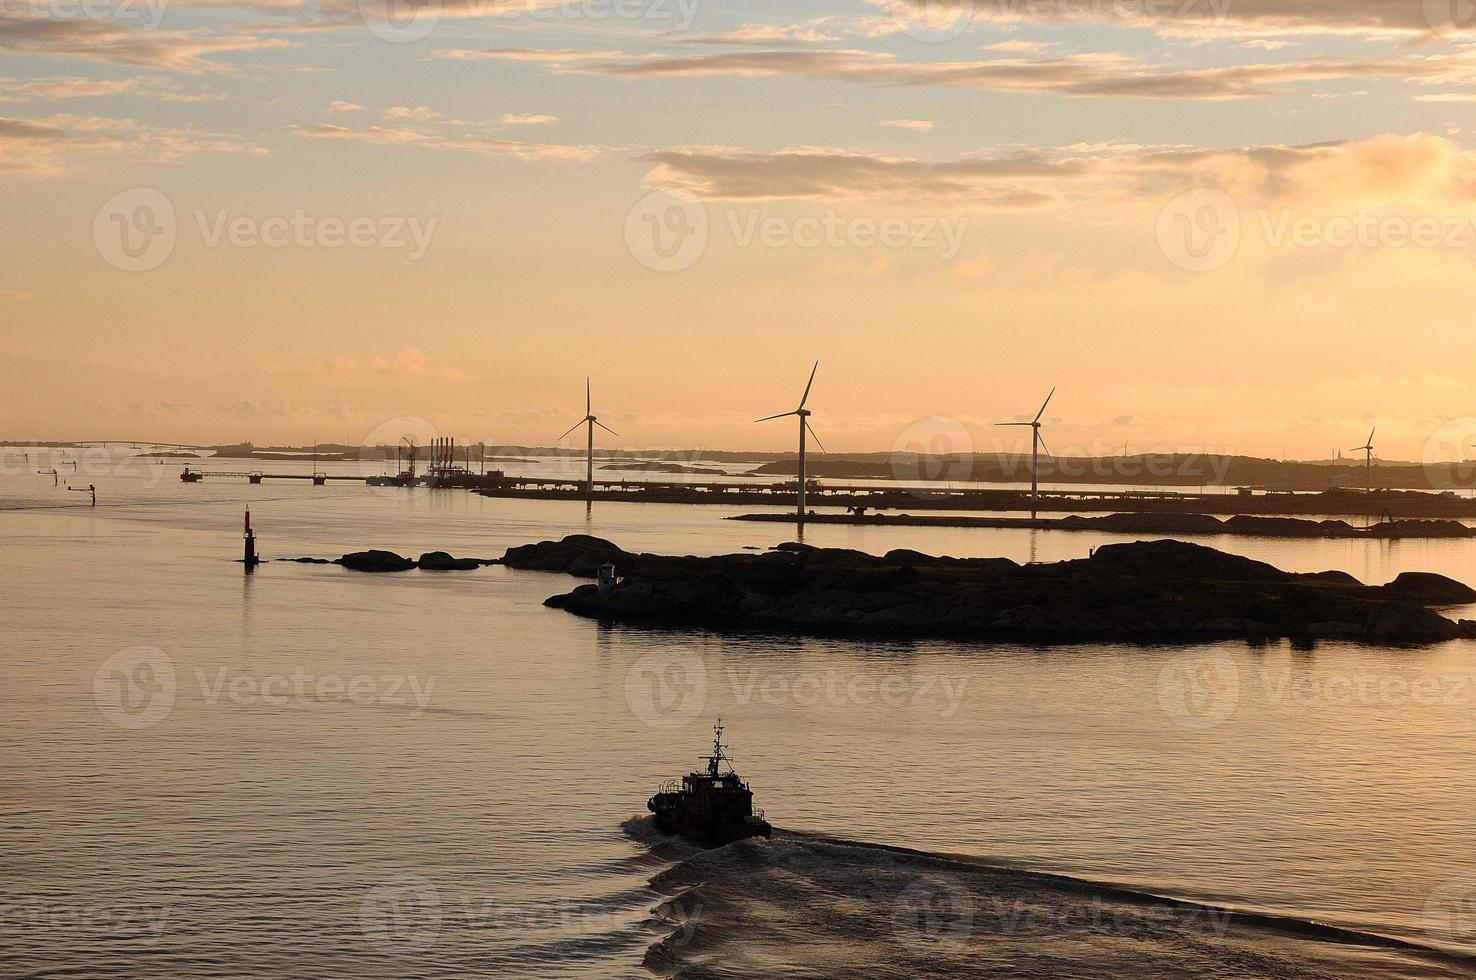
(1245, 228)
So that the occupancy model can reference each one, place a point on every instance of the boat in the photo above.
(710, 806)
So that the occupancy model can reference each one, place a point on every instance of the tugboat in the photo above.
(710, 806)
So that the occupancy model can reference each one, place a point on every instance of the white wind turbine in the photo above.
(589, 458)
(1036, 441)
(804, 427)
(1367, 450)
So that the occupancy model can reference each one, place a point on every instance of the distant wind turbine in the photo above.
(804, 427)
(1367, 450)
(1036, 441)
(589, 459)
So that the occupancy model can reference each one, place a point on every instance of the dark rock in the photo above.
(577, 554)
(1144, 590)
(1430, 589)
(440, 561)
(376, 561)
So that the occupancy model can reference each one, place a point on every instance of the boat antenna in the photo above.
(717, 749)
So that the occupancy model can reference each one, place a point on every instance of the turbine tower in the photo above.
(1367, 450)
(589, 457)
(1036, 441)
(803, 414)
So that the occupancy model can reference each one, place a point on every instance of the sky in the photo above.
(1211, 225)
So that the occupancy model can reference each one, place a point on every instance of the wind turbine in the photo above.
(1367, 450)
(589, 458)
(804, 427)
(1035, 443)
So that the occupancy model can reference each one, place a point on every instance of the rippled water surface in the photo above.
(313, 772)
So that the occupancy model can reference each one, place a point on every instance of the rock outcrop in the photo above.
(440, 561)
(1140, 591)
(376, 561)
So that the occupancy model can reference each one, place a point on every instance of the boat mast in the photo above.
(717, 749)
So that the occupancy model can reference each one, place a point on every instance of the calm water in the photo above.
(308, 771)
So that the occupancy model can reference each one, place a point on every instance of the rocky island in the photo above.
(1147, 590)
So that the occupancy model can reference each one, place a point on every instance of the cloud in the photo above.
(921, 125)
(430, 140)
(1203, 18)
(424, 113)
(407, 363)
(1018, 47)
(527, 119)
(807, 32)
(1423, 171)
(15, 295)
(338, 105)
(51, 145)
(1105, 74)
(97, 40)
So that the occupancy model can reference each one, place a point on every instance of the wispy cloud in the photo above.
(52, 145)
(429, 139)
(1106, 74)
(99, 40)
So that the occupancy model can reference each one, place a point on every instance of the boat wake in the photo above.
(805, 906)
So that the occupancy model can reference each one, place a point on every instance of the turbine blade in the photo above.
(811, 430)
(571, 429)
(1014, 423)
(605, 427)
(806, 395)
(770, 418)
(1044, 446)
(1044, 404)
(1370, 436)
